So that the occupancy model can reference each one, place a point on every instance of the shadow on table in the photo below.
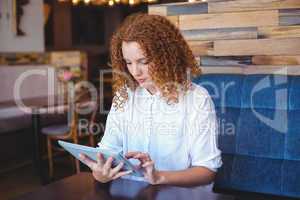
(128, 189)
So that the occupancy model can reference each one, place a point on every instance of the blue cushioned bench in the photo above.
(259, 122)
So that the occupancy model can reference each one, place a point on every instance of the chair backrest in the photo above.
(259, 117)
(86, 119)
(82, 113)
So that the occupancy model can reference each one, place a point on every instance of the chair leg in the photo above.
(72, 159)
(50, 158)
(77, 164)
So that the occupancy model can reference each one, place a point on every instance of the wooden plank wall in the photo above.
(239, 36)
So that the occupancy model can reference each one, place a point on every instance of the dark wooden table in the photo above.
(83, 187)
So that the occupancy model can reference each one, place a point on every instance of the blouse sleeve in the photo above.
(112, 138)
(203, 140)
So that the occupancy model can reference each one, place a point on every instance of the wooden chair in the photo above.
(68, 132)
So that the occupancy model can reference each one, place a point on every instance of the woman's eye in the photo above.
(144, 62)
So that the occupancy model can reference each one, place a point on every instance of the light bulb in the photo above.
(75, 1)
(111, 3)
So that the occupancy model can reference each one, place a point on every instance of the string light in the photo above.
(75, 2)
(192, 1)
(110, 2)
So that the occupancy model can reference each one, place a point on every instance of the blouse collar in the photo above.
(144, 92)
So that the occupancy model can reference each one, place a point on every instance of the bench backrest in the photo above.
(259, 122)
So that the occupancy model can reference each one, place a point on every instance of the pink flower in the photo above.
(67, 75)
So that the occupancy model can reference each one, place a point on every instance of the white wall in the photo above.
(32, 24)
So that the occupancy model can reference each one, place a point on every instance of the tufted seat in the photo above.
(259, 123)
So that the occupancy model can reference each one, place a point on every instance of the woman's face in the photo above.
(137, 64)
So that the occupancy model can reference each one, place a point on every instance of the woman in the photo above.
(158, 116)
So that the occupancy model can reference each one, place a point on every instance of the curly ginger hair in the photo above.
(171, 61)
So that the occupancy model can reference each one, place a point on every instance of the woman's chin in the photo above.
(142, 84)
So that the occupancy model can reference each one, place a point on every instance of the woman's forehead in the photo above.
(132, 50)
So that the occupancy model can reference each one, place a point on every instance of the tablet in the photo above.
(91, 152)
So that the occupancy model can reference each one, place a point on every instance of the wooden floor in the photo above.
(23, 180)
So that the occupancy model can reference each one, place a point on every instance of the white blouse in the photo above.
(176, 136)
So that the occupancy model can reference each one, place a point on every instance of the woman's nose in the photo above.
(136, 71)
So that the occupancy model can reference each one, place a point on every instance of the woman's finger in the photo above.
(100, 159)
(143, 157)
(107, 165)
(118, 175)
(132, 154)
(88, 161)
(116, 169)
(147, 164)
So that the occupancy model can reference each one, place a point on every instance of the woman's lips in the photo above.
(141, 80)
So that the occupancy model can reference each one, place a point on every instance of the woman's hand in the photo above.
(102, 170)
(150, 173)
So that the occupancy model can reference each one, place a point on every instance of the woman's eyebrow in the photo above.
(141, 59)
